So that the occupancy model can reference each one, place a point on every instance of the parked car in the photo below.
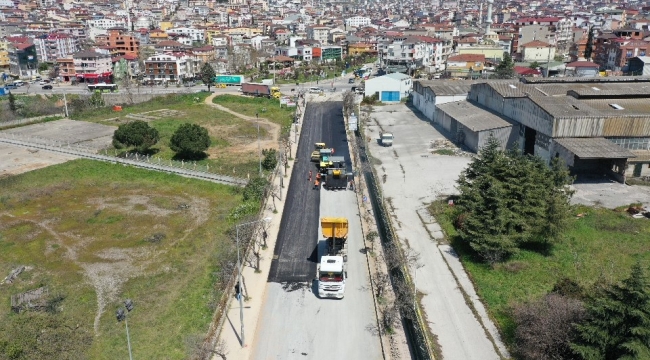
(351, 81)
(47, 87)
(44, 82)
(315, 90)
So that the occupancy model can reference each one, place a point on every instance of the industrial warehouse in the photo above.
(598, 126)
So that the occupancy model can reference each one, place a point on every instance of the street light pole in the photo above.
(239, 278)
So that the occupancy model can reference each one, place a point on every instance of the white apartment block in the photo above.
(167, 67)
(192, 33)
(50, 47)
(357, 21)
(106, 23)
(318, 33)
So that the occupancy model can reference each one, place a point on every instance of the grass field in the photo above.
(228, 153)
(267, 108)
(601, 243)
(96, 234)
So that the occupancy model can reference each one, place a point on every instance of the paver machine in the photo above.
(336, 176)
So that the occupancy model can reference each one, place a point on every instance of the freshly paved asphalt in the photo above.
(296, 252)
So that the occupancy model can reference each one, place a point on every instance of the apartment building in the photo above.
(318, 33)
(50, 47)
(92, 67)
(164, 68)
(66, 68)
(4, 54)
(195, 35)
(121, 43)
(106, 24)
(23, 60)
(358, 21)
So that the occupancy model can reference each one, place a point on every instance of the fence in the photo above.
(32, 120)
(188, 169)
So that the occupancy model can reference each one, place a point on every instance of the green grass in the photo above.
(601, 243)
(448, 152)
(266, 108)
(227, 132)
(63, 225)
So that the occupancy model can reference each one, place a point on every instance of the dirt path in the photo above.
(272, 128)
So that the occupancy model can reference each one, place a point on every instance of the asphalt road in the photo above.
(294, 322)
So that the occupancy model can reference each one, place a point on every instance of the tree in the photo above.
(190, 141)
(270, 159)
(254, 190)
(618, 321)
(589, 47)
(207, 74)
(534, 65)
(12, 102)
(43, 67)
(545, 327)
(506, 68)
(135, 133)
(508, 199)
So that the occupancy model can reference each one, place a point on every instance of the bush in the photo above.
(254, 190)
(135, 133)
(190, 141)
(270, 159)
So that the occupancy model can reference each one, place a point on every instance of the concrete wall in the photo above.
(125, 99)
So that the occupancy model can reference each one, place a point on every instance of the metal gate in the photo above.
(390, 96)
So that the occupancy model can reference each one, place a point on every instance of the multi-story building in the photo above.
(106, 24)
(23, 60)
(318, 33)
(357, 21)
(537, 51)
(66, 68)
(166, 67)
(195, 35)
(362, 48)
(121, 43)
(329, 53)
(4, 54)
(204, 54)
(50, 47)
(92, 67)
(620, 51)
(466, 66)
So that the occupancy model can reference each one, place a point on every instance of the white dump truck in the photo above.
(332, 271)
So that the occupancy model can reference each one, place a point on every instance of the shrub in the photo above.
(190, 140)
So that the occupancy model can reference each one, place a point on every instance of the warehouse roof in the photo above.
(474, 117)
(594, 148)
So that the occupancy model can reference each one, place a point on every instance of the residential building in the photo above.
(357, 21)
(121, 43)
(466, 65)
(4, 54)
(50, 47)
(106, 23)
(66, 68)
(537, 51)
(582, 69)
(204, 54)
(195, 35)
(362, 48)
(23, 59)
(389, 88)
(318, 33)
(166, 67)
(92, 67)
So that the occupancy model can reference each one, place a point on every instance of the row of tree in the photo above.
(604, 321)
(189, 141)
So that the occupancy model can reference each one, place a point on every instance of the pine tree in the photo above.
(590, 44)
(207, 74)
(506, 68)
(618, 322)
(12, 102)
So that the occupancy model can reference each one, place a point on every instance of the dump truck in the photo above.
(336, 177)
(263, 90)
(315, 155)
(332, 272)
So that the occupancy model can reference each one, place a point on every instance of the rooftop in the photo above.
(474, 117)
(594, 148)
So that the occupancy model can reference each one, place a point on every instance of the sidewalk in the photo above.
(256, 283)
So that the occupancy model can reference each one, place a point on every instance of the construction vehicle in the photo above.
(315, 155)
(263, 90)
(332, 271)
(324, 162)
(335, 175)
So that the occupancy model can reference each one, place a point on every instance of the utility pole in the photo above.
(259, 149)
(65, 105)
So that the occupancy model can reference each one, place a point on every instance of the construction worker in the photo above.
(316, 184)
(318, 176)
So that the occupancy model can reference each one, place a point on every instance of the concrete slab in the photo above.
(17, 159)
(65, 131)
(609, 193)
(414, 176)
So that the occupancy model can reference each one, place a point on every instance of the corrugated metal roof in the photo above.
(474, 117)
(627, 106)
(449, 87)
(611, 89)
(594, 148)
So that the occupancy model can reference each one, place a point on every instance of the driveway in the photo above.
(412, 177)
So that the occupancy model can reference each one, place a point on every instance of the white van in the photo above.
(315, 90)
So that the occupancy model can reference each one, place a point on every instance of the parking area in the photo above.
(413, 175)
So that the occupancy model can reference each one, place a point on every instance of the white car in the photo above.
(315, 90)
(43, 82)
